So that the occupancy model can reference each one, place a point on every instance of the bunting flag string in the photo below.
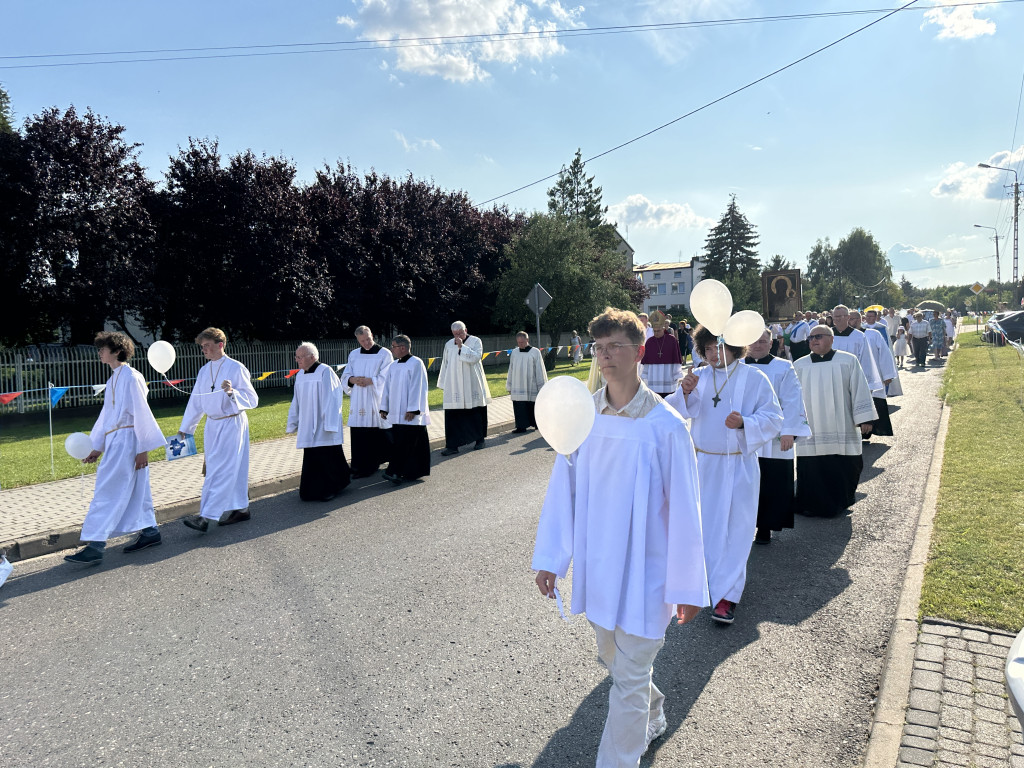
(56, 393)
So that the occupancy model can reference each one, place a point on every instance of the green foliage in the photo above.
(778, 263)
(6, 116)
(575, 197)
(731, 247)
(856, 267)
(562, 256)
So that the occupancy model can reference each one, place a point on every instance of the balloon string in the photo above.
(172, 386)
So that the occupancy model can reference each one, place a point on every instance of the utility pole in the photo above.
(1016, 212)
(999, 282)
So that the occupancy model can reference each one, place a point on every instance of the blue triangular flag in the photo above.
(56, 393)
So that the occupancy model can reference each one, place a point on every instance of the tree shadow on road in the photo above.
(787, 583)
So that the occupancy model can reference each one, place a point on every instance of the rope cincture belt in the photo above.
(126, 426)
(221, 418)
(716, 453)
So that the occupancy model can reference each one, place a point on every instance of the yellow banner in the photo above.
(263, 376)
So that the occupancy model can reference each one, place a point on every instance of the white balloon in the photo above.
(161, 356)
(711, 304)
(78, 445)
(565, 413)
(743, 328)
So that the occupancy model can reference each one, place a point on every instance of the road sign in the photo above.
(538, 300)
(977, 288)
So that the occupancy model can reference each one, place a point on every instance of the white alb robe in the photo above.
(787, 389)
(225, 436)
(628, 499)
(122, 502)
(837, 399)
(730, 477)
(526, 374)
(364, 402)
(406, 390)
(857, 345)
(315, 412)
(886, 363)
(462, 375)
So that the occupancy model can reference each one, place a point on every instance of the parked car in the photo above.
(1015, 676)
(1012, 324)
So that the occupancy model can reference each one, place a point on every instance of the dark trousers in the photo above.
(920, 347)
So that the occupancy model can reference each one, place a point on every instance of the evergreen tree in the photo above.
(731, 246)
(6, 118)
(778, 263)
(574, 196)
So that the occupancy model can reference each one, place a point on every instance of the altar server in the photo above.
(363, 380)
(223, 392)
(466, 394)
(623, 509)
(526, 375)
(315, 414)
(734, 413)
(125, 431)
(404, 406)
(886, 364)
(776, 459)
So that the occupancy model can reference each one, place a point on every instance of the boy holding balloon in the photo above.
(125, 431)
(621, 500)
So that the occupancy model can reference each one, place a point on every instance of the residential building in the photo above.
(670, 283)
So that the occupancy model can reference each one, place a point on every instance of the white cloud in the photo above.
(966, 181)
(907, 257)
(416, 144)
(959, 23)
(347, 21)
(754, 148)
(464, 61)
(674, 45)
(638, 211)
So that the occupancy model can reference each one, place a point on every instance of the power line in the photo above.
(252, 50)
(941, 266)
(710, 103)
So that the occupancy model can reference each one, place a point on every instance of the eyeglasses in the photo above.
(612, 348)
(817, 336)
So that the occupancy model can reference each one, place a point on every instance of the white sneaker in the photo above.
(655, 728)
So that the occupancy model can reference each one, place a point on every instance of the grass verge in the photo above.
(25, 448)
(976, 563)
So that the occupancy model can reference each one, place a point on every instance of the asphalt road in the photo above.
(401, 627)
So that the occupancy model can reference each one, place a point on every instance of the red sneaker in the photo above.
(724, 612)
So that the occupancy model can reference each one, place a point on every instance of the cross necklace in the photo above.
(718, 389)
(213, 380)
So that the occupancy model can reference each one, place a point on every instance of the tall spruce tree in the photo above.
(731, 246)
(574, 196)
(6, 117)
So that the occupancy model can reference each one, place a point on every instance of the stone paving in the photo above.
(39, 510)
(959, 713)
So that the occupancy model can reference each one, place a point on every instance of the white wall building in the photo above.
(670, 283)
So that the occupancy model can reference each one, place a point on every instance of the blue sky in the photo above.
(883, 131)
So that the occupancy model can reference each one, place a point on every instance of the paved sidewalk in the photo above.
(44, 518)
(958, 713)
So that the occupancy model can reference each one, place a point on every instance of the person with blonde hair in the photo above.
(223, 392)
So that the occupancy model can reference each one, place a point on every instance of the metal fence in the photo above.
(33, 370)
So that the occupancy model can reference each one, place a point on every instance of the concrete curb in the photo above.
(58, 539)
(894, 688)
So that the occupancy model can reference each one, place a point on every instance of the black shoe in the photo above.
(763, 536)
(479, 445)
(449, 451)
(143, 542)
(86, 556)
(236, 516)
(197, 523)
(393, 478)
(518, 430)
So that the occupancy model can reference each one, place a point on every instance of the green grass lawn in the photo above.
(976, 565)
(25, 449)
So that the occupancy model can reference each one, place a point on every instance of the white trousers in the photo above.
(634, 698)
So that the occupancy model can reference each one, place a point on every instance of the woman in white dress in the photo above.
(899, 347)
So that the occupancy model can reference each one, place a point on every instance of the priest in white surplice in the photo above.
(526, 375)
(624, 511)
(839, 409)
(776, 458)
(223, 392)
(886, 364)
(404, 406)
(734, 412)
(363, 380)
(125, 432)
(315, 414)
(465, 391)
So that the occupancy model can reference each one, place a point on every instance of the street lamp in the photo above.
(999, 283)
(1016, 210)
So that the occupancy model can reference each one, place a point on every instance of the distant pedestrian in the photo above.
(125, 431)
(920, 336)
(577, 348)
(938, 335)
(466, 394)
(223, 392)
(363, 381)
(526, 375)
(315, 414)
(899, 347)
(662, 363)
(404, 406)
